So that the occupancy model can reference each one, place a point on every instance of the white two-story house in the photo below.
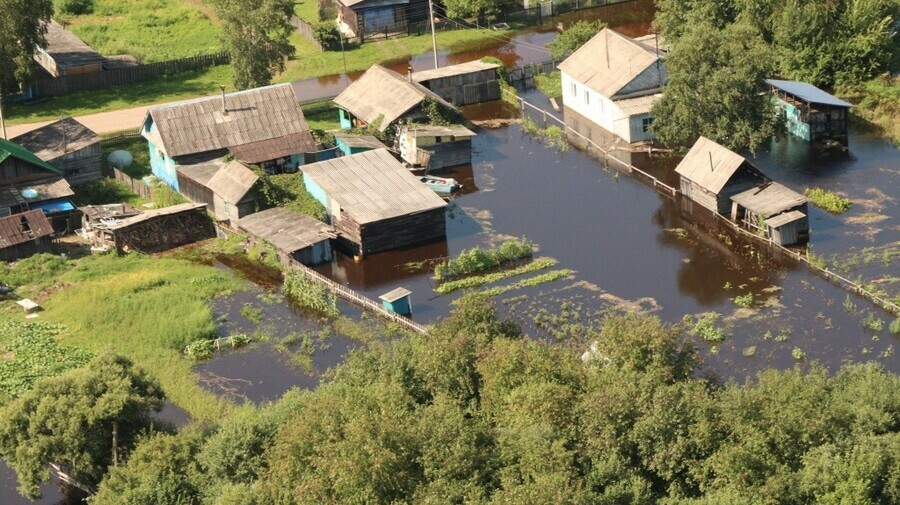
(613, 81)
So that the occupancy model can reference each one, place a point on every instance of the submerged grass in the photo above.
(147, 309)
(828, 201)
(478, 280)
(477, 259)
(553, 275)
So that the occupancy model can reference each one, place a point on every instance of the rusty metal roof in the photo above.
(57, 139)
(287, 230)
(271, 149)
(20, 228)
(252, 115)
(613, 64)
(372, 186)
(710, 165)
(384, 93)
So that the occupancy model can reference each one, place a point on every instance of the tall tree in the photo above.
(257, 34)
(78, 420)
(574, 37)
(22, 28)
(472, 8)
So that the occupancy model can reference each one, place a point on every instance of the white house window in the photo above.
(574, 89)
(587, 97)
(645, 124)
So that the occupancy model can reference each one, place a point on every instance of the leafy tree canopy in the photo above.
(574, 37)
(21, 30)
(473, 8)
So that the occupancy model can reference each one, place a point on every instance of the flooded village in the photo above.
(582, 212)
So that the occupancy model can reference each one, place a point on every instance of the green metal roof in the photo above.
(8, 149)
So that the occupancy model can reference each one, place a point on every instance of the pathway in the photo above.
(102, 122)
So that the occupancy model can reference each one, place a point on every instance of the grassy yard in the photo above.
(146, 308)
(321, 115)
(156, 30)
(137, 146)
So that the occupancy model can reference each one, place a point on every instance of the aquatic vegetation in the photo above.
(744, 300)
(478, 280)
(253, 314)
(872, 322)
(551, 276)
(895, 327)
(798, 354)
(309, 295)
(828, 200)
(706, 327)
(476, 259)
(31, 351)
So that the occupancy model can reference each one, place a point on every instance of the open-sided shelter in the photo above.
(811, 113)
(776, 210)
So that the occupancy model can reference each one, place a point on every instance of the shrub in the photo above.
(199, 349)
(328, 35)
(828, 201)
(477, 259)
(309, 295)
(73, 7)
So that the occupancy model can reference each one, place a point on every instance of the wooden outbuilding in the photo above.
(157, 230)
(779, 212)
(69, 146)
(375, 203)
(462, 84)
(381, 97)
(24, 234)
(262, 126)
(227, 189)
(435, 147)
(397, 301)
(711, 174)
(354, 143)
(28, 182)
(811, 113)
(361, 18)
(66, 54)
(297, 236)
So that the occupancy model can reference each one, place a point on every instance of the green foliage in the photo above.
(105, 190)
(707, 328)
(309, 295)
(476, 259)
(21, 30)
(877, 102)
(828, 200)
(321, 115)
(288, 191)
(69, 420)
(798, 354)
(258, 38)
(165, 196)
(477, 280)
(895, 327)
(30, 352)
(550, 84)
(572, 38)
(73, 7)
(745, 300)
(502, 74)
(137, 147)
(327, 33)
(36, 271)
(473, 8)
(553, 275)
(200, 349)
(439, 115)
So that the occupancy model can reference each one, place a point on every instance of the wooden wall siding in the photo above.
(165, 232)
(315, 254)
(16, 171)
(81, 166)
(403, 232)
(136, 186)
(196, 192)
(468, 88)
(230, 211)
(25, 249)
(449, 154)
(306, 31)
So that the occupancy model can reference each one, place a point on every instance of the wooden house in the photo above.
(66, 54)
(262, 126)
(28, 182)
(24, 234)
(375, 203)
(360, 18)
(353, 143)
(614, 80)
(435, 147)
(297, 236)
(227, 189)
(711, 174)
(381, 97)
(462, 84)
(779, 212)
(69, 146)
(812, 114)
(157, 230)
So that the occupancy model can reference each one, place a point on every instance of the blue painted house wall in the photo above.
(161, 164)
(400, 306)
(318, 193)
(794, 123)
(346, 121)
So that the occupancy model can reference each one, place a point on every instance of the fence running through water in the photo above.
(665, 189)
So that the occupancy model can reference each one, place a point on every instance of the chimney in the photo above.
(409, 73)
(224, 107)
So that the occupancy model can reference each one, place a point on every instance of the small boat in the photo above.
(441, 185)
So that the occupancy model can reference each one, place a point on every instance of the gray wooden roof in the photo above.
(200, 173)
(272, 149)
(372, 186)
(232, 182)
(253, 115)
(24, 227)
(288, 231)
(58, 138)
(110, 210)
(769, 199)
(150, 214)
(785, 218)
(418, 130)
(358, 140)
(66, 49)
(610, 62)
(385, 93)
(710, 165)
(460, 69)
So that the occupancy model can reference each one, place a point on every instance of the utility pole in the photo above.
(2, 122)
(433, 34)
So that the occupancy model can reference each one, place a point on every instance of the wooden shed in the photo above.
(381, 97)
(69, 146)
(811, 113)
(24, 234)
(776, 210)
(66, 54)
(435, 147)
(227, 189)
(354, 143)
(375, 203)
(462, 84)
(158, 230)
(361, 18)
(711, 174)
(397, 301)
(100, 215)
(301, 237)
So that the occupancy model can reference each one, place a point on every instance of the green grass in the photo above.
(476, 259)
(551, 276)
(877, 102)
(151, 30)
(478, 280)
(142, 307)
(550, 84)
(307, 10)
(828, 201)
(321, 115)
(137, 146)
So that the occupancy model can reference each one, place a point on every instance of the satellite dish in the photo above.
(30, 193)
(120, 159)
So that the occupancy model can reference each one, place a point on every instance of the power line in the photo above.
(498, 37)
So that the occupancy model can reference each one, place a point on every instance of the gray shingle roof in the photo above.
(709, 164)
(288, 231)
(253, 115)
(58, 138)
(67, 49)
(459, 69)
(808, 92)
(385, 93)
(770, 199)
(232, 182)
(372, 186)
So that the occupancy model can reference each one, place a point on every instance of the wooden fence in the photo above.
(306, 31)
(137, 186)
(65, 85)
(522, 77)
(801, 256)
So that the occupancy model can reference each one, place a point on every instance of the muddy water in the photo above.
(631, 18)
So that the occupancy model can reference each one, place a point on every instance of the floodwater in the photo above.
(631, 18)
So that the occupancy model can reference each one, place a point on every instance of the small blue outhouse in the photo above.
(397, 301)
